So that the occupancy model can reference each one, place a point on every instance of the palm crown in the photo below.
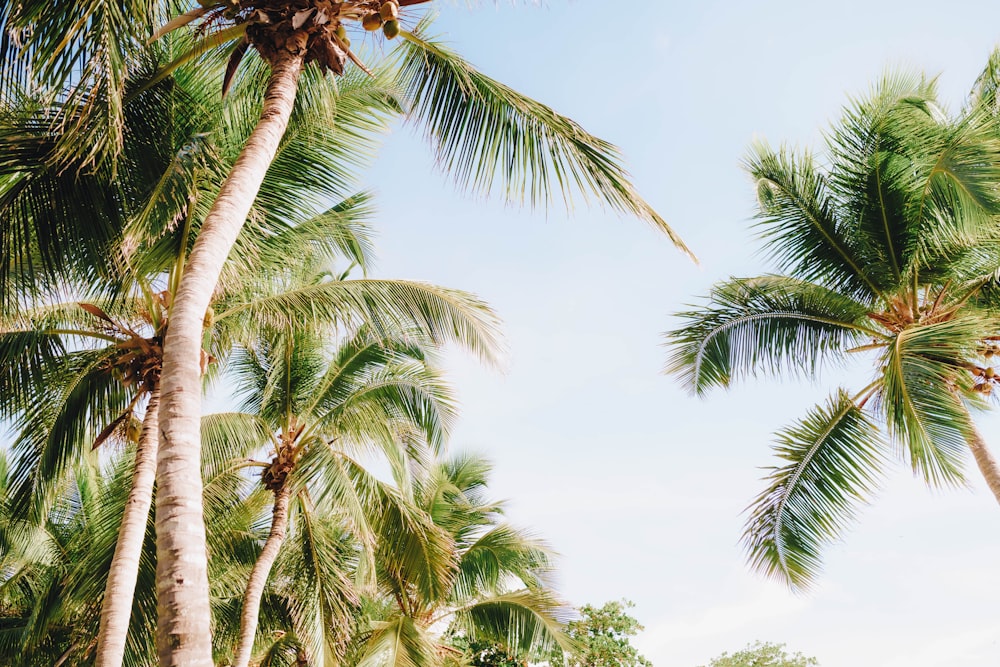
(888, 252)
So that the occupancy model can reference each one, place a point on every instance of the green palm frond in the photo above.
(40, 210)
(444, 315)
(64, 422)
(832, 460)
(924, 378)
(81, 53)
(400, 642)
(486, 133)
(341, 231)
(528, 622)
(398, 393)
(984, 98)
(413, 556)
(228, 437)
(496, 558)
(798, 221)
(956, 205)
(771, 323)
(871, 174)
(315, 570)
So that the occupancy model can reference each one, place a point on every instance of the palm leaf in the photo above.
(925, 378)
(386, 305)
(770, 323)
(833, 457)
(400, 642)
(798, 221)
(528, 622)
(485, 133)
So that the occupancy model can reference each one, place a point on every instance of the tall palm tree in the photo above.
(80, 388)
(473, 120)
(316, 407)
(888, 255)
(493, 586)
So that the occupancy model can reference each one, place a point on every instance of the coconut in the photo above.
(371, 22)
(390, 29)
(389, 11)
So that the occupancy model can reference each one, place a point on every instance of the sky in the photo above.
(639, 486)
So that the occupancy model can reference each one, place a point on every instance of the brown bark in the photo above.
(258, 577)
(183, 636)
(987, 464)
(116, 609)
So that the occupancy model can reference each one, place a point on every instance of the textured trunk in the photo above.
(987, 464)
(116, 609)
(183, 636)
(258, 577)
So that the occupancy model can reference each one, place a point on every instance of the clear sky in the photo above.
(639, 486)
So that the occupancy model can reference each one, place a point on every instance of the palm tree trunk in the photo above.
(183, 636)
(259, 574)
(987, 464)
(116, 609)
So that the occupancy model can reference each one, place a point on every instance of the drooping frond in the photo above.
(81, 53)
(771, 323)
(399, 642)
(499, 557)
(413, 556)
(924, 380)
(526, 621)
(833, 458)
(64, 422)
(444, 315)
(314, 577)
(487, 134)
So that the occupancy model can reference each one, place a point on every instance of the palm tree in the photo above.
(473, 120)
(888, 254)
(490, 585)
(75, 390)
(312, 409)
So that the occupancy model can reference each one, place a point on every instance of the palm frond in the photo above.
(833, 458)
(771, 323)
(444, 315)
(871, 174)
(400, 642)
(486, 133)
(502, 555)
(798, 221)
(923, 384)
(526, 621)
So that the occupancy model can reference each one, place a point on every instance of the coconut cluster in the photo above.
(386, 19)
(313, 29)
(986, 377)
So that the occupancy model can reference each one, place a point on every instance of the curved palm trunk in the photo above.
(183, 636)
(116, 610)
(987, 464)
(258, 577)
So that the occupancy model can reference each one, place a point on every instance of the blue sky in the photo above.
(639, 486)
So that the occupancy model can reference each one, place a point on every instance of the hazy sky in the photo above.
(639, 486)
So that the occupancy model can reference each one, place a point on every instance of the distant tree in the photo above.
(603, 637)
(762, 654)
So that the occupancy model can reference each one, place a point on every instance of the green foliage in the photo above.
(480, 653)
(888, 253)
(762, 654)
(602, 638)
